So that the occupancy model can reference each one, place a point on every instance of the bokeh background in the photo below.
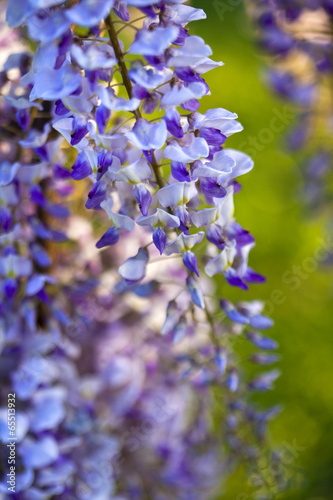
(273, 208)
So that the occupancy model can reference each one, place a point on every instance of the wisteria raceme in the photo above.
(299, 36)
(127, 161)
(122, 360)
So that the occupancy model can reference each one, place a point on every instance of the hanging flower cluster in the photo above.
(118, 392)
(298, 34)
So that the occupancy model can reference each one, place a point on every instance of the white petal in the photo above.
(179, 193)
(220, 263)
(204, 217)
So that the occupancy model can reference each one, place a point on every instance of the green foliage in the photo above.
(298, 298)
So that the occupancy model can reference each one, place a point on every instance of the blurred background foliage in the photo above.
(271, 206)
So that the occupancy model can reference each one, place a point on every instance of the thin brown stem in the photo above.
(159, 178)
(120, 58)
(128, 85)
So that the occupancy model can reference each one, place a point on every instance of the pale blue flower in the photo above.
(47, 25)
(160, 218)
(8, 195)
(148, 78)
(53, 84)
(222, 262)
(8, 172)
(183, 243)
(38, 453)
(178, 193)
(179, 94)
(48, 409)
(135, 173)
(225, 166)
(134, 268)
(15, 265)
(37, 282)
(66, 127)
(196, 292)
(153, 42)
(31, 174)
(89, 12)
(22, 426)
(107, 141)
(22, 103)
(184, 14)
(120, 221)
(264, 382)
(35, 139)
(192, 54)
(262, 342)
(92, 57)
(147, 136)
(114, 103)
(214, 118)
(196, 150)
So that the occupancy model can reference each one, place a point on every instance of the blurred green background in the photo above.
(271, 207)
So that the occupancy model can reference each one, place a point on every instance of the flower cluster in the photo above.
(122, 360)
(158, 173)
(298, 34)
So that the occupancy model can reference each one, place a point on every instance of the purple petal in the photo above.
(214, 235)
(264, 359)
(211, 188)
(213, 136)
(232, 380)
(251, 276)
(96, 195)
(10, 287)
(146, 289)
(80, 129)
(111, 237)
(264, 382)
(191, 105)
(37, 195)
(232, 313)
(183, 34)
(81, 167)
(143, 197)
(104, 162)
(140, 92)
(122, 11)
(260, 322)
(180, 172)
(159, 239)
(23, 119)
(5, 218)
(60, 108)
(172, 118)
(102, 117)
(262, 342)
(195, 292)
(40, 255)
(234, 280)
(151, 103)
(190, 261)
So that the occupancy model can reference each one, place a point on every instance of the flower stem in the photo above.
(120, 58)
(128, 85)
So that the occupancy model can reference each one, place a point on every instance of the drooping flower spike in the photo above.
(122, 115)
(171, 69)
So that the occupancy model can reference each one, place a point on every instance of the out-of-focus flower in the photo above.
(116, 390)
